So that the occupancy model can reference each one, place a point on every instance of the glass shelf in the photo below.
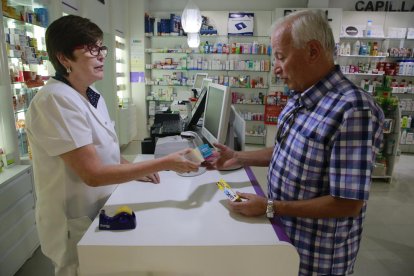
(206, 36)
(21, 22)
(220, 70)
(258, 104)
(363, 38)
(362, 74)
(361, 56)
(235, 87)
(167, 85)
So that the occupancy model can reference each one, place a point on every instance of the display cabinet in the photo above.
(23, 71)
(366, 67)
(24, 32)
(121, 72)
(407, 123)
(365, 59)
(386, 159)
(242, 63)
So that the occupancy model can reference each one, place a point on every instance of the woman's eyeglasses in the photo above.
(95, 50)
(286, 124)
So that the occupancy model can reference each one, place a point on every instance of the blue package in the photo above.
(205, 151)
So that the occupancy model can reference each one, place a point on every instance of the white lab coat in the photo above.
(60, 120)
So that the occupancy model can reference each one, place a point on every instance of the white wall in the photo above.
(335, 16)
(136, 11)
(97, 13)
(386, 19)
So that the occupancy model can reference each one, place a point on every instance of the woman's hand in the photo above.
(178, 163)
(153, 177)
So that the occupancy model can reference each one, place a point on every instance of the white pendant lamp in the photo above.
(191, 22)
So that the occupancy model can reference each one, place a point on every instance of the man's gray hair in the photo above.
(307, 25)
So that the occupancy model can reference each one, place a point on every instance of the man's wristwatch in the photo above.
(269, 209)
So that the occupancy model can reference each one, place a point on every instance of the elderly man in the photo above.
(320, 167)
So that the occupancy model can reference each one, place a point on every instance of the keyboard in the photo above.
(168, 128)
(171, 127)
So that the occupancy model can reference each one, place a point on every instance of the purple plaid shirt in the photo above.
(328, 150)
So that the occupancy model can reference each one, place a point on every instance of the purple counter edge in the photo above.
(276, 224)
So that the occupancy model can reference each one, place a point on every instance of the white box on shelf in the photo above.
(394, 32)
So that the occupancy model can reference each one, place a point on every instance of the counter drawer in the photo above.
(14, 190)
(16, 212)
(16, 233)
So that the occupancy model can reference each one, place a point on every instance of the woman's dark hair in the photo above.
(66, 33)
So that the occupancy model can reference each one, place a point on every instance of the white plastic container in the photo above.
(368, 30)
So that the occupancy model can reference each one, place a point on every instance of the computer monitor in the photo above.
(199, 106)
(216, 114)
(236, 133)
(198, 82)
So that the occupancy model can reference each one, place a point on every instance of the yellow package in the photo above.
(225, 187)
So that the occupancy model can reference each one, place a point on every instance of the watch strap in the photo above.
(270, 209)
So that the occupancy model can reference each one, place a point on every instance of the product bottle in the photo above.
(219, 48)
(404, 122)
(206, 48)
(254, 48)
(375, 49)
(348, 49)
(368, 30)
(357, 46)
(363, 49)
(342, 49)
(201, 48)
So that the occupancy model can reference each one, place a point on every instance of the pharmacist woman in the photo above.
(75, 150)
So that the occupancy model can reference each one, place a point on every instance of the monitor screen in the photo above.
(199, 106)
(198, 81)
(216, 114)
(237, 131)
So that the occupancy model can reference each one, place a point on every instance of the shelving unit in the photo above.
(121, 71)
(23, 72)
(26, 61)
(171, 66)
(407, 109)
(373, 68)
(389, 150)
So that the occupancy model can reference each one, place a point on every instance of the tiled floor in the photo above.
(387, 245)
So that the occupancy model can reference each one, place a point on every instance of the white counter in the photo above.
(185, 228)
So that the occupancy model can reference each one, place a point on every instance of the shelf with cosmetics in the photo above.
(366, 59)
(242, 63)
(28, 69)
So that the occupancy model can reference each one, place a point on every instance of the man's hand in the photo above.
(224, 158)
(252, 205)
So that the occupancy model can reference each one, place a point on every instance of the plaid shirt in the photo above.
(329, 149)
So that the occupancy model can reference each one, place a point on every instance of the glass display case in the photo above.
(26, 58)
